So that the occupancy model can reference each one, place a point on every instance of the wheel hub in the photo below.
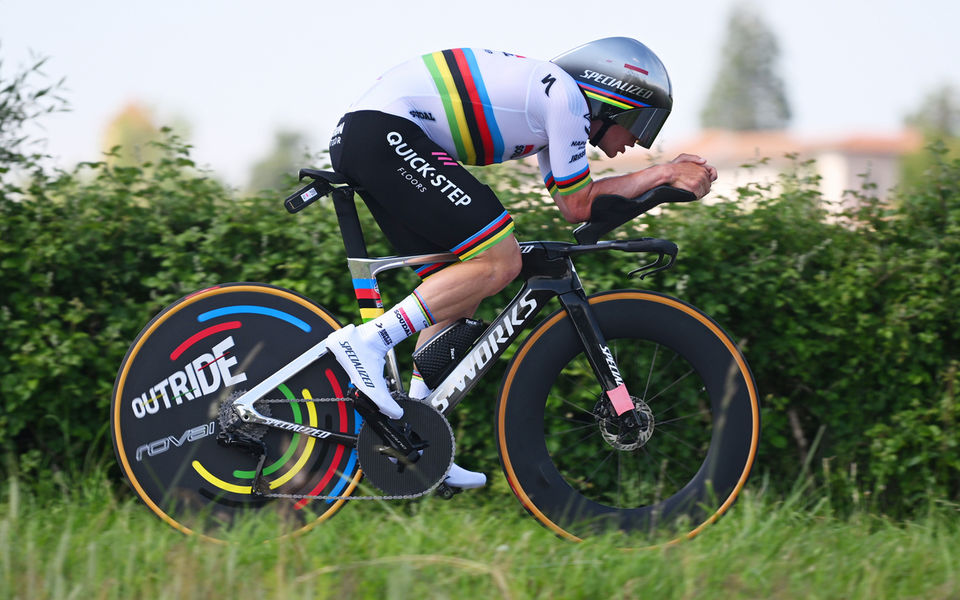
(624, 432)
(230, 421)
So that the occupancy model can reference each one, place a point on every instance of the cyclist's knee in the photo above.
(503, 262)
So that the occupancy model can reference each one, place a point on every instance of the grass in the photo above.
(92, 542)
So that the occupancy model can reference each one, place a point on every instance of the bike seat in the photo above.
(610, 211)
(331, 177)
(321, 184)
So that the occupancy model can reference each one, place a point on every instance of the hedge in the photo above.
(849, 321)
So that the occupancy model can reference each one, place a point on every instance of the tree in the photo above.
(132, 137)
(748, 93)
(22, 101)
(274, 170)
(939, 114)
(133, 130)
(937, 118)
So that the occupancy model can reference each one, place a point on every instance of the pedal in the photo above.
(447, 492)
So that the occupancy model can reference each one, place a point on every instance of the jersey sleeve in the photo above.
(566, 121)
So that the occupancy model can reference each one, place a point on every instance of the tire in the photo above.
(164, 411)
(568, 467)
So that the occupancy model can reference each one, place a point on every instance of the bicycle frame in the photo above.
(548, 272)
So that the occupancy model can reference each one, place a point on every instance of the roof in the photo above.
(733, 148)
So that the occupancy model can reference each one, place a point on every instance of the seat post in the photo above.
(346, 209)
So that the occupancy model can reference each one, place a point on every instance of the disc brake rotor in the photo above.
(399, 476)
(618, 436)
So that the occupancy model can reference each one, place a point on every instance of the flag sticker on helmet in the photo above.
(637, 69)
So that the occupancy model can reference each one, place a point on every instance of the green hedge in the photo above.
(850, 324)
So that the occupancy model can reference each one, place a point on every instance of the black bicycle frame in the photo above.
(548, 272)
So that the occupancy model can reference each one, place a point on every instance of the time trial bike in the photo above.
(624, 409)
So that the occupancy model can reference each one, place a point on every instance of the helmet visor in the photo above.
(643, 123)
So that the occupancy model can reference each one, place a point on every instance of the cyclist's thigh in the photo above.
(423, 200)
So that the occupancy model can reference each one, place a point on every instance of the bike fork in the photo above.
(599, 355)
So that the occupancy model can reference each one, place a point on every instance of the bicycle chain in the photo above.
(303, 496)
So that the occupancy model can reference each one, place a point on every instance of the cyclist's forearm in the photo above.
(576, 207)
(634, 184)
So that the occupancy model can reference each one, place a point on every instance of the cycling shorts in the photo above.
(423, 200)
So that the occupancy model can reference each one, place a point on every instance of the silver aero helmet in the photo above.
(625, 84)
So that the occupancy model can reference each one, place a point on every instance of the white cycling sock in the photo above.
(418, 389)
(400, 322)
(361, 350)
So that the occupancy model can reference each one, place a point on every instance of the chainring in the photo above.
(409, 478)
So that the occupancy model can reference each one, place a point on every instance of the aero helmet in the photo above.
(625, 84)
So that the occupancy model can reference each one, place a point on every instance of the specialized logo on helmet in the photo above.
(624, 86)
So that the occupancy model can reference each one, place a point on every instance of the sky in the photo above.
(239, 71)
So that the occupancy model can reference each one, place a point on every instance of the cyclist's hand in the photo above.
(691, 176)
(698, 160)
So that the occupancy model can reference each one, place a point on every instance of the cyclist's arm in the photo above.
(686, 172)
(564, 166)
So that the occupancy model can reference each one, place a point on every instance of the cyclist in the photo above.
(405, 140)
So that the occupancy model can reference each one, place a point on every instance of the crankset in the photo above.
(405, 458)
(399, 471)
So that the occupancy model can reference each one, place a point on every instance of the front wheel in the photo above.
(578, 473)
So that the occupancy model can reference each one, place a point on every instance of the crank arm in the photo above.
(395, 434)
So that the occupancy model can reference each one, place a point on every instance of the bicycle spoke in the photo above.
(649, 453)
(566, 431)
(681, 441)
(675, 382)
(620, 500)
(576, 406)
(699, 413)
(574, 420)
(597, 468)
(653, 363)
(587, 437)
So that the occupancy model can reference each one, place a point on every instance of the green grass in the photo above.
(88, 541)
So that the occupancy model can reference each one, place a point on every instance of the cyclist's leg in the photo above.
(423, 204)
(456, 291)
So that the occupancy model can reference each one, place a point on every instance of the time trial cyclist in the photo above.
(404, 144)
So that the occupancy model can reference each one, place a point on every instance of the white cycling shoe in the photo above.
(364, 367)
(458, 477)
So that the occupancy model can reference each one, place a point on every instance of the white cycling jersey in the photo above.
(487, 107)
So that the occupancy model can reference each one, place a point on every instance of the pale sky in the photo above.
(238, 71)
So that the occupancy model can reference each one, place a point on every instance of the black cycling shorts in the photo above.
(423, 200)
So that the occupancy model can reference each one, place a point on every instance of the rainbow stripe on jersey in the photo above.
(475, 132)
(569, 184)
